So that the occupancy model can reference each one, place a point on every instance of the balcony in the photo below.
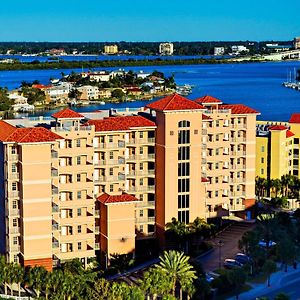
(55, 227)
(55, 209)
(120, 177)
(120, 144)
(141, 157)
(55, 244)
(134, 189)
(73, 128)
(97, 213)
(97, 246)
(141, 141)
(13, 212)
(54, 172)
(14, 176)
(145, 204)
(13, 194)
(97, 229)
(14, 230)
(145, 220)
(14, 248)
(13, 157)
(54, 190)
(141, 173)
(110, 162)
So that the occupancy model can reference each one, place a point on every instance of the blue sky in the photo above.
(144, 20)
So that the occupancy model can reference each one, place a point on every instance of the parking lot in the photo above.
(229, 238)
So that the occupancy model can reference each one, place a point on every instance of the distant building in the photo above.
(20, 102)
(88, 92)
(57, 52)
(99, 76)
(237, 49)
(219, 50)
(297, 43)
(110, 49)
(278, 48)
(166, 49)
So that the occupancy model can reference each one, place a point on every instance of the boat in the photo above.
(184, 90)
(102, 103)
(54, 81)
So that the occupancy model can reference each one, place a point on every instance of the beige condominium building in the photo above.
(80, 187)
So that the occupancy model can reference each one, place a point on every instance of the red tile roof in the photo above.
(295, 118)
(41, 86)
(289, 134)
(9, 133)
(238, 109)
(174, 102)
(208, 100)
(67, 114)
(106, 198)
(277, 127)
(5, 130)
(120, 123)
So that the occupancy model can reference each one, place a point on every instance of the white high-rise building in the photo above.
(166, 49)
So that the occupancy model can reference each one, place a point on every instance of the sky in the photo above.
(145, 20)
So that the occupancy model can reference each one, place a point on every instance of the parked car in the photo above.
(263, 244)
(209, 278)
(230, 263)
(242, 258)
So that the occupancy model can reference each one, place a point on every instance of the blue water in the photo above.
(257, 85)
(99, 57)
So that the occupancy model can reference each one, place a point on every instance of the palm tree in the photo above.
(18, 276)
(176, 265)
(286, 181)
(179, 232)
(100, 290)
(276, 186)
(155, 282)
(57, 277)
(260, 186)
(36, 278)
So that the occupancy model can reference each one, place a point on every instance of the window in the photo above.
(111, 155)
(262, 171)
(171, 132)
(111, 188)
(78, 143)
(217, 123)
(217, 151)
(184, 216)
(141, 213)
(183, 137)
(217, 166)
(141, 135)
(141, 166)
(184, 124)
(183, 201)
(79, 195)
(141, 150)
(78, 160)
(69, 143)
(16, 259)
(184, 169)
(15, 240)
(79, 245)
(111, 171)
(13, 150)
(15, 222)
(262, 160)
(78, 177)
(141, 181)
(141, 197)
(216, 179)
(79, 212)
(216, 193)
(296, 141)
(110, 138)
(14, 204)
(296, 151)
(183, 153)
(262, 148)
(183, 185)
(79, 229)
(14, 168)
(141, 228)
(14, 186)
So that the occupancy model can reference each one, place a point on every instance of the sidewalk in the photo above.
(278, 281)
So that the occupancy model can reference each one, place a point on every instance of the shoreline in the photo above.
(117, 63)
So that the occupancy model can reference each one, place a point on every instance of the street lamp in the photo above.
(220, 244)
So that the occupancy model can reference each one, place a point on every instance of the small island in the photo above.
(85, 88)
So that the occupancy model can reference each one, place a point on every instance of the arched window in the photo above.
(184, 123)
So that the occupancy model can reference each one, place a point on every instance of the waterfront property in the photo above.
(84, 185)
(277, 148)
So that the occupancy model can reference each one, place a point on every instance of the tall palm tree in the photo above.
(176, 265)
(286, 181)
(18, 276)
(275, 185)
(260, 186)
(179, 232)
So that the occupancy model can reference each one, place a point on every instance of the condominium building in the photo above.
(87, 187)
(277, 148)
(110, 49)
(297, 43)
(166, 49)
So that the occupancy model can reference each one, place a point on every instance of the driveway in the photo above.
(229, 237)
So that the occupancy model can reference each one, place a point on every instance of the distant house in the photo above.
(20, 103)
(219, 51)
(166, 49)
(101, 76)
(59, 93)
(110, 49)
(134, 91)
(142, 75)
(88, 92)
(104, 93)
